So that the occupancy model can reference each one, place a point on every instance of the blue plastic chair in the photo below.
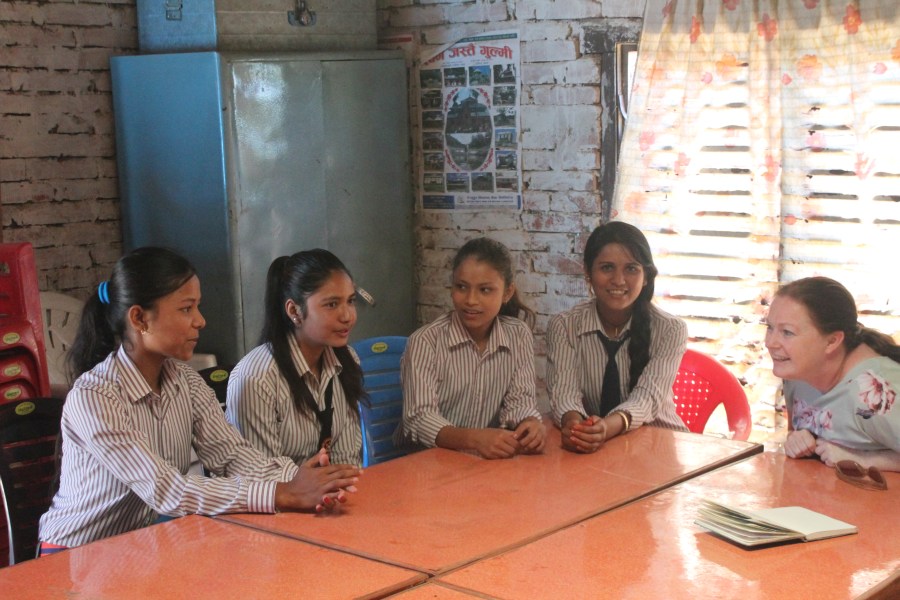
(379, 358)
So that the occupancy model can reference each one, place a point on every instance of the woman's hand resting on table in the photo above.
(494, 443)
(318, 485)
(800, 444)
(530, 434)
(831, 453)
(582, 435)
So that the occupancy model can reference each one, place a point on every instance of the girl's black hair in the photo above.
(297, 277)
(832, 308)
(629, 236)
(140, 278)
(498, 257)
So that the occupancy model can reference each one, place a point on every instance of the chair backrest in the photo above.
(217, 378)
(701, 385)
(28, 435)
(379, 358)
(61, 315)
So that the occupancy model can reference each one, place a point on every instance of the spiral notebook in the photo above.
(769, 526)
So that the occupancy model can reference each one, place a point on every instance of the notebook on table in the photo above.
(769, 526)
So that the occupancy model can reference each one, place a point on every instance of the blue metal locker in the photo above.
(234, 159)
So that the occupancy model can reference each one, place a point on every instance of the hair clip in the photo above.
(366, 296)
(103, 292)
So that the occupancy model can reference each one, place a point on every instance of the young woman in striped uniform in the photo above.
(136, 409)
(592, 403)
(468, 377)
(300, 388)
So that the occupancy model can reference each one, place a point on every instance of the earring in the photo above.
(296, 320)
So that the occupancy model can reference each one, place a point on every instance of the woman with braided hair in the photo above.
(840, 378)
(595, 397)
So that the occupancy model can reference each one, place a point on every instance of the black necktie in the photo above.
(611, 395)
(325, 417)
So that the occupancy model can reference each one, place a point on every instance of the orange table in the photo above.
(201, 557)
(652, 547)
(438, 509)
(435, 590)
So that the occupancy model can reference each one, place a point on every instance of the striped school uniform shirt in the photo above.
(448, 383)
(126, 452)
(576, 362)
(260, 405)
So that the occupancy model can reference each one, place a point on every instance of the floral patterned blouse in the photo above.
(860, 412)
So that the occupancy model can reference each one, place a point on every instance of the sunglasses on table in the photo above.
(855, 474)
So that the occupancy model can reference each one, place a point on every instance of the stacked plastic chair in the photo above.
(24, 381)
(23, 359)
(28, 438)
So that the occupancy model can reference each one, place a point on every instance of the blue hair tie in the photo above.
(103, 292)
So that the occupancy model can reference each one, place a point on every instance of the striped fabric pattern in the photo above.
(447, 383)
(576, 361)
(126, 452)
(261, 407)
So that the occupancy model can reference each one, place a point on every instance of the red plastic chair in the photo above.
(701, 385)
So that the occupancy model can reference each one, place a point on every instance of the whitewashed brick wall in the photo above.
(560, 114)
(57, 164)
(58, 180)
(58, 185)
(561, 140)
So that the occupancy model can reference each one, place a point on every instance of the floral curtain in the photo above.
(763, 145)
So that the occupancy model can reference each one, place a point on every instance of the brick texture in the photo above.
(560, 143)
(57, 145)
(58, 181)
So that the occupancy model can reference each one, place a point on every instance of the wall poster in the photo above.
(469, 124)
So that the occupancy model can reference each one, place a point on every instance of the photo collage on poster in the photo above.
(470, 125)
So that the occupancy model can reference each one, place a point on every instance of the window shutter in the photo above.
(841, 206)
(703, 198)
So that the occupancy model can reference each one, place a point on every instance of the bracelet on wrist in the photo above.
(626, 419)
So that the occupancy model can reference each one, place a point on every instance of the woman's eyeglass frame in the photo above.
(855, 474)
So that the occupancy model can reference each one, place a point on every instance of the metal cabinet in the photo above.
(235, 159)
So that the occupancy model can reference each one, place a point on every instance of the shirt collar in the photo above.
(590, 322)
(331, 366)
(498, 338)
(135, 386)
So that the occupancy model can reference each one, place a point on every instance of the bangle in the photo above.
(626, 419)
